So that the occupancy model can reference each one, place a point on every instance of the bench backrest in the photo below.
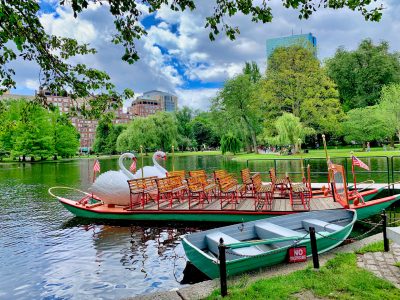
(138, 185)
(226, 183)
(246, 177)
(194, 183)
(180, 173)
(220, 174)
(196, 173)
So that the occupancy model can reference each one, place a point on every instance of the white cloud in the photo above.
(66, 25)
(32, 84)
(196, 98)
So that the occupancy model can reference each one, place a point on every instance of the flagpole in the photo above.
(173, 159)
(327, 157)
(352, 171)
(141, 154)
(94, 172)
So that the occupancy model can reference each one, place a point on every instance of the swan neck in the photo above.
(122, 166)
(157, 165)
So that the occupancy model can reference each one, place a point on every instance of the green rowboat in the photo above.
(266, 242)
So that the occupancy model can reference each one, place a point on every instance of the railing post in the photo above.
(222, 267)
(384, 227)
(314, 248)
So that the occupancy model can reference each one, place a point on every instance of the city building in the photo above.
(153, 101)
(305, 40)
(85, 127)
(62, 101)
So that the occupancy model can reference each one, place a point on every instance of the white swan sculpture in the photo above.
(155, 170)
(111, 186)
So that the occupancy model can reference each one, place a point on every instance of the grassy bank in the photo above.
(340, 278)
(341, 152)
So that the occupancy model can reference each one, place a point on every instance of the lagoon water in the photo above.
(46, 253)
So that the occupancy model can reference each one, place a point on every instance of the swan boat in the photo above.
(266, 242)
(92, 206)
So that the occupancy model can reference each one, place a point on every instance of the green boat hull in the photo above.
(363, 211)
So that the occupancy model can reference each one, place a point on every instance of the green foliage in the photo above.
(366, 124)
(290, 132)
(361, 74)
(251, 69)
(230, 143)
(66, 137)
(27, 129)
(295, 83)
(103, 131)
(238, 101)
(167, 129)
(141, 131)
(390, 106)
(340, 278)
(107, 134)
(33, 135)
(204, 131)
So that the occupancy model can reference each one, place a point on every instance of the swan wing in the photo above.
(112, 188)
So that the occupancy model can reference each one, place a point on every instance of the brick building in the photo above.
(153, 101)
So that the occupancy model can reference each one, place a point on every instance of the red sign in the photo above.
(297, 254)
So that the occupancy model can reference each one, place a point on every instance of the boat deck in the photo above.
(244, 205)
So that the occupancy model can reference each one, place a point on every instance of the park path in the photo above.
(382, 264)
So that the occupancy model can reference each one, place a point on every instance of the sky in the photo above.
(177, 56)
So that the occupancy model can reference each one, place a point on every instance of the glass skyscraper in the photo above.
(305, 40)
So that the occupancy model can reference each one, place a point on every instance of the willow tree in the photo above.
(22, 35)
(290, 131)
(230, 143)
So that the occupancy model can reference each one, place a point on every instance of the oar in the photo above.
(264, 242)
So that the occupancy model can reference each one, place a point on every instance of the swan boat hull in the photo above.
(374, 204)
(265, 243)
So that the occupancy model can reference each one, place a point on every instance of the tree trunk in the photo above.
(392, 142)
(32, 158)
(252, 134)
(55, 157)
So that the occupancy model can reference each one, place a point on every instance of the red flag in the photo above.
(356, 162)
(96, 166)
(132, 168)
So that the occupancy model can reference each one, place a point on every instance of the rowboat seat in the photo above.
(213, 242)
(268, 230)
(320, 225)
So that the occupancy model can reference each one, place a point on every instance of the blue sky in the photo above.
(177, 55)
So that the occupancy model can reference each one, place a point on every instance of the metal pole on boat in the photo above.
(384, 227)
(314, 248)
(141, 155)
(222, 267)
(327, 159)
(173, 158)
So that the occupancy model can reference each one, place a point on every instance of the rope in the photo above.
(67, 188)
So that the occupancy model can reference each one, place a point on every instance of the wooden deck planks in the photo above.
(245, 204)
